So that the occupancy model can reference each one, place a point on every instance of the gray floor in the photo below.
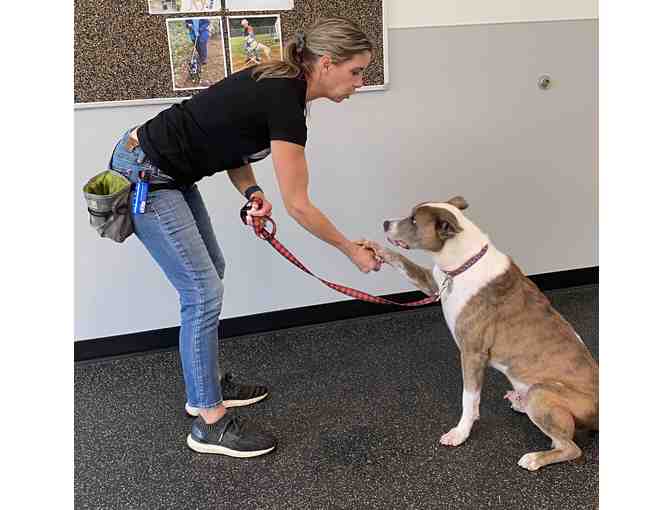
(358, 407)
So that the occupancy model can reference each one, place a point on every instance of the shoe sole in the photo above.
(222, 450)
(193, 411)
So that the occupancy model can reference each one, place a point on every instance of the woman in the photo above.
(235, 122)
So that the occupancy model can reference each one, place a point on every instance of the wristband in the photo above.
(252, 189)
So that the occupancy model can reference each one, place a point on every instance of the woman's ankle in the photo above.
(212, 414)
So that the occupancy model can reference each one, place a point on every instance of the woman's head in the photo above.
(331, 54)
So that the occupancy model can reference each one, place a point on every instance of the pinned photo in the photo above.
(177, 6)
(196, 47)
(253, 40)
(259, 5)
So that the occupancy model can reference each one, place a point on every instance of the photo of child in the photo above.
(253, 39)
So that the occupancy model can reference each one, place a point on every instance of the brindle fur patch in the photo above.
(514, 322)
(434, 226)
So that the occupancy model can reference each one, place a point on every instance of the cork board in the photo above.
(121, 51)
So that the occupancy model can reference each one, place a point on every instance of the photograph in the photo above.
(253, 40)
(196, 47)
(177, 6)
(259, 5)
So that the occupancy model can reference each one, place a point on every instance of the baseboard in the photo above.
(166, 338)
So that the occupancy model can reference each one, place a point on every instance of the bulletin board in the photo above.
(124, 54)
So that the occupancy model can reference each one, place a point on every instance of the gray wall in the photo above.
(462, 115)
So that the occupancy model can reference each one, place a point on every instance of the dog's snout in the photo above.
(386, 225)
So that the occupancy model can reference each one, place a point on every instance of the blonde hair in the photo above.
(340, 38)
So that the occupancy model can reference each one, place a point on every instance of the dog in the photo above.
(498, 317)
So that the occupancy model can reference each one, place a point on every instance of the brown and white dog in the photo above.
(498, 317)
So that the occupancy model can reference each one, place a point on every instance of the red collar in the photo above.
(467, 264)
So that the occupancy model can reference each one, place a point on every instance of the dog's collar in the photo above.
(467, 264)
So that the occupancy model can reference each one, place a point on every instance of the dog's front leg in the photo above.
(473, 370)
(419, 276)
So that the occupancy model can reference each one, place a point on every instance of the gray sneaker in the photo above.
(235, 395)
(229, 436)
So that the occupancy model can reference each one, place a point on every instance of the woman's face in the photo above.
(339, 81)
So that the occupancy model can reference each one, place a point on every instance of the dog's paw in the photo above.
(387, 255)
(454, 437)
(384, 254)
(530, 461)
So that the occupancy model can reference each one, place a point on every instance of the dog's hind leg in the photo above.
(550, 408)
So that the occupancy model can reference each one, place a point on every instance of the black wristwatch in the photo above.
(252, 189)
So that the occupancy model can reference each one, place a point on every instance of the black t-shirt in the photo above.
(226, 126)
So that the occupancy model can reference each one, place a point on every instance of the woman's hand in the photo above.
(381, 254)
(263, 209)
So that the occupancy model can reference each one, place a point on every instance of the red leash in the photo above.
(259, 225)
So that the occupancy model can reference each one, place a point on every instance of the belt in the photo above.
(131, 144)
(155, 186)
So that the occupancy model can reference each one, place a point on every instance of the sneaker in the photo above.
(229, 437)
(235, 395)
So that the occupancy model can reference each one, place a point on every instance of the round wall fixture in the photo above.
(544, 82)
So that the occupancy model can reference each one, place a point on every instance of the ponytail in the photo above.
(292, 66)
(337, 37)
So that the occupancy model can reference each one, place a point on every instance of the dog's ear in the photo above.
(446, 225)
(459, 202)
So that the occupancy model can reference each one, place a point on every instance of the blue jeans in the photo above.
(177, 233)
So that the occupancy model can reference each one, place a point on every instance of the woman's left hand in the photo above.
(263, 209)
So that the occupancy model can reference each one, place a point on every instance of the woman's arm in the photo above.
(242, 178)
(291, 171)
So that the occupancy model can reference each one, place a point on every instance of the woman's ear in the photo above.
(324, 63)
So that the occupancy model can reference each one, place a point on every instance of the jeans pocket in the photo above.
(123, 161)
(129, 163)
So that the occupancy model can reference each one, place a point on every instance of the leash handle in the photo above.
(259, 225)
(258, 222)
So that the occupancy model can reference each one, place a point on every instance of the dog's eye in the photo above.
(413, 220)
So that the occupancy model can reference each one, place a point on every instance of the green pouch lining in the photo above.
(106, 183)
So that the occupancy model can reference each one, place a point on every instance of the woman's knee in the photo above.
(206, 296)
(213, 293)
